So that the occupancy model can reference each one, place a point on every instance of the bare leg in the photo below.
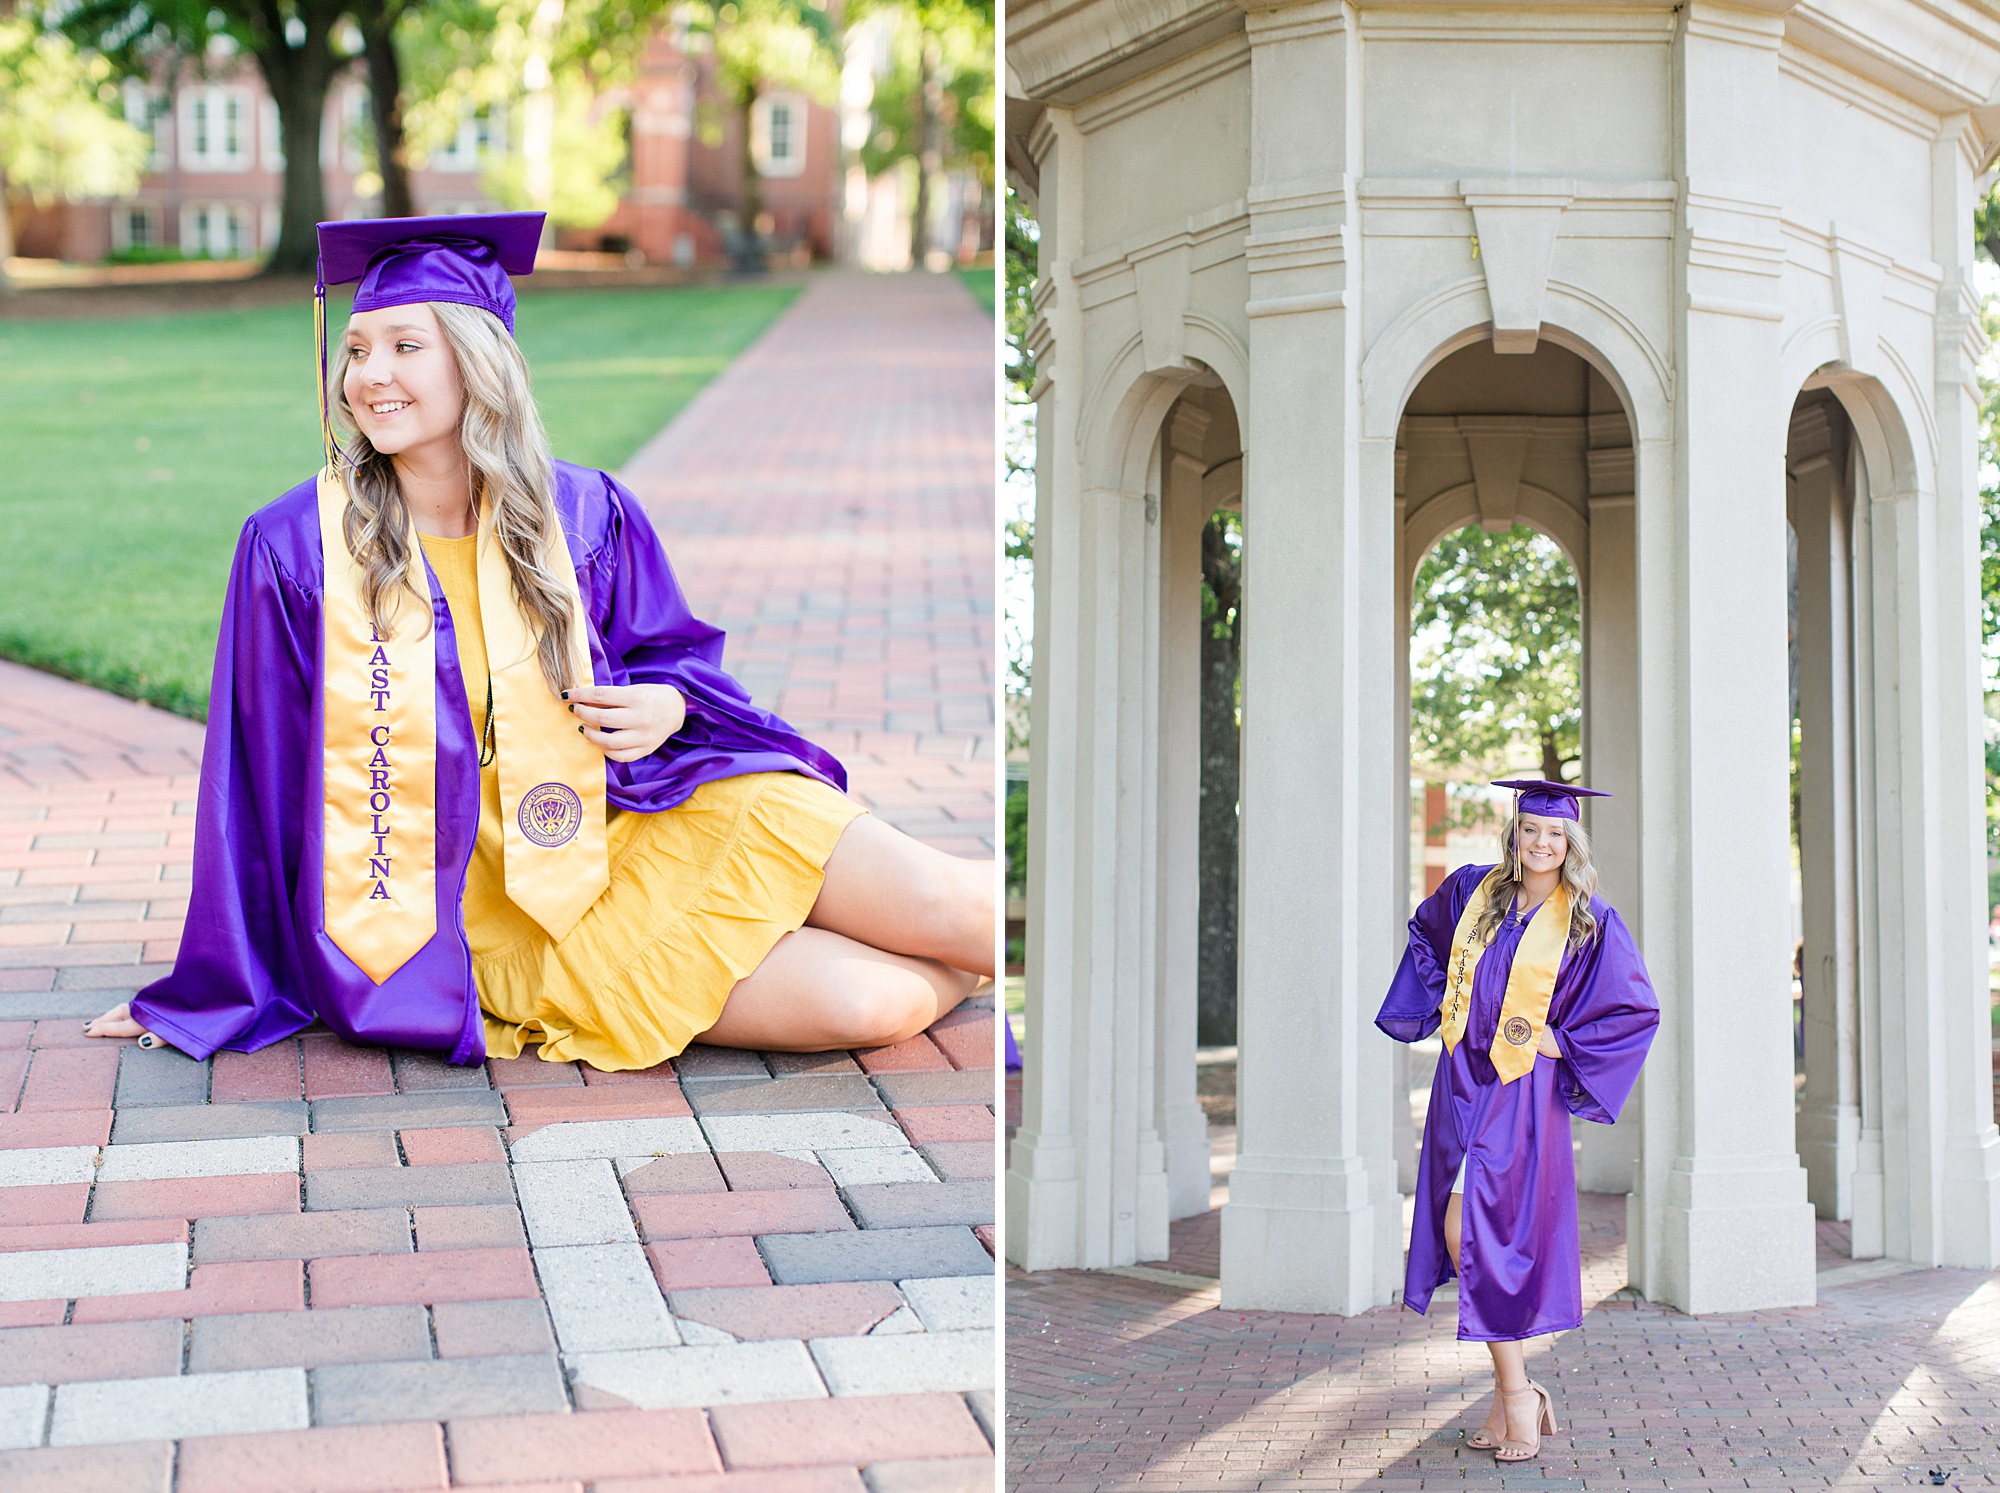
(818, 991)
(886, 889)
(1494, 1430)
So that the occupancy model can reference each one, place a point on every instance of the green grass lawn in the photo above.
(980, 283)
(132, 448)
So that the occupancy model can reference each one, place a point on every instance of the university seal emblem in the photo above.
(1517, 1030)
(551, 814)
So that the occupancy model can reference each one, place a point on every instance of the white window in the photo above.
(482, 131)
(273, 135)
(222, 230)
(778, 134)
(147, 108)
(134, 225)
(215, 128)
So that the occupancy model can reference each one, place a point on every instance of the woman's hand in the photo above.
(1546, 1044)
(627, 721)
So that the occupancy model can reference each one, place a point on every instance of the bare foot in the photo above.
(118, 1022)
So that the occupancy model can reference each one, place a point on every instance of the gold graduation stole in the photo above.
(380, 758)
(554, 846)
(1531, 983)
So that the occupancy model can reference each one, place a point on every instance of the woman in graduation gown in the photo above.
(1546, 1011)
(474, 776)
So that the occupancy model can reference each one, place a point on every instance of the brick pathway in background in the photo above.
(1146, 1384)
(829, 500)
(343, 1269)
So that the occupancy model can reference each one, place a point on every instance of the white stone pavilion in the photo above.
(1655, 281)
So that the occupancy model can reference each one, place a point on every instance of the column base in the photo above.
(1606, 1156)
(1309, 1241)
(1188, 1178)
(1738, 1236)
(1829, 1138)
(1971, 1239)
(1043, 1210)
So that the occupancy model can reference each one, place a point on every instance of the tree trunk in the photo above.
(6, 238)
(385, 93)
(1221, 648)
(750, 196)
(299, 78)
(1552, 758)
(929, 154)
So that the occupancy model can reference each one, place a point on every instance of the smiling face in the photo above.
(401, 380)
(1541, 843)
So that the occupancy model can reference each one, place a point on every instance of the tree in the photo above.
(1221, 655)
(1497, 652)
(293, 43)
(935, 106)
(60, 135)
(761, 44)
(377, 21)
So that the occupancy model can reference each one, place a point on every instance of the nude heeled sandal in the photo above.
(1520, 1451)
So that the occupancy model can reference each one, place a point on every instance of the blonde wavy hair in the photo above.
(1579, 878)
(507, 459)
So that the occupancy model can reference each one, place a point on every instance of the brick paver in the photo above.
(320, 1266)
(1122, 1383)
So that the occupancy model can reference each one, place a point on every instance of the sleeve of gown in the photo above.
(239, 968)
(1607, 1024)
(1410, 1010)
(647, 625)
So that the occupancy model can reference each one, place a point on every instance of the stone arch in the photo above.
(1880, 414)
(1119, 425)
(1455, 507)
(1457, 315)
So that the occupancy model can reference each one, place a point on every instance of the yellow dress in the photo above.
(699, 894)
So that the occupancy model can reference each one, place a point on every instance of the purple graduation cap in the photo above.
(405, 261)
(1550, 800)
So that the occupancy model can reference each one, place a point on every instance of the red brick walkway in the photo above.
(1121, 1383)
(341, 1269)
(829, 500)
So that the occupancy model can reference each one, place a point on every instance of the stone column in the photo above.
(1607, 1154)
(1086, 1185)
(1735, 1231)
(1182, 1125)
(1313, 1219)
(1969, 1225)
(1829, 1120)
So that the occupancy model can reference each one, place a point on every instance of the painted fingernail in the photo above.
(565, 694)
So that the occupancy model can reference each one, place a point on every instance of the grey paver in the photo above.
(815, 1132)
(960, 1160)
(980, 1403)
(910, 1205)
(727, 1096)
(346, 1334)
(487, 1329)
(874, 1165)
(727, 1374)
(63, 1003)
(700, 1061)
(262, 1155)
(420, 1072)
(24, 1410)
(910, 1364)
(170, 1122)
(187, 1405)
(573, 1140)
(47, 1166)
(573, 1202)
(972, 1086)
(160, 1075)
(302, 1236)
(408, 1186)
(930, 1475)
(799, 1064)
(89, 1350)
(469, 1226)
(953, 1303)
(410, 1111)
(100, 1270)
(872, 1254)
(603, 1298)
(358, 1393)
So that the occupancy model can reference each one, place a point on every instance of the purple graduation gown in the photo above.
(1522, 1269)
(255, 963)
